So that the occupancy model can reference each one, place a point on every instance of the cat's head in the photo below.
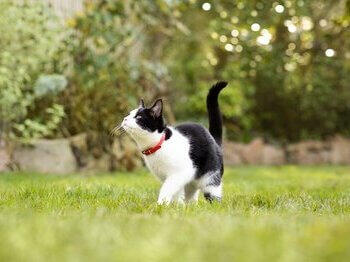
(145, 120)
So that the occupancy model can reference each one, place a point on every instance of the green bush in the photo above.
(30, 38)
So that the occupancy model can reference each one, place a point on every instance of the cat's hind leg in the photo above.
(191, 193)
(211, 185)
(180, 197)
(213, 193)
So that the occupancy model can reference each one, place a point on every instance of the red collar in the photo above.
(154, 149)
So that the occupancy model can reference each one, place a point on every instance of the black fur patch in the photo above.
(204, 151)
(147, 121)
(215, 119)
(210, 198)
(168, 133)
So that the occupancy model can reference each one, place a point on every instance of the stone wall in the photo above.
(255, 153)
(82, 153)
(335, 151)
(45, 156)
(5, 159)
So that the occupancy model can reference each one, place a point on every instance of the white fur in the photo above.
(171, 164)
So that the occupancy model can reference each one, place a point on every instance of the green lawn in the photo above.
(268, 214)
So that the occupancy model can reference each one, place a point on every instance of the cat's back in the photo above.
(204, 151)
(195, 132)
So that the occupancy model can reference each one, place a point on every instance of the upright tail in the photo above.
(215, 119)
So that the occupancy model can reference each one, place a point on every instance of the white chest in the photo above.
(172, 158)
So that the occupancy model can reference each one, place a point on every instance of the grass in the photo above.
(268, 214)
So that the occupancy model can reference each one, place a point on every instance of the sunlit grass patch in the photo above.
(267, 214)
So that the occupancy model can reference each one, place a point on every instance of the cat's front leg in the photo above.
(172, 186)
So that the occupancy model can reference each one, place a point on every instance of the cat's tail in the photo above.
(215, 119)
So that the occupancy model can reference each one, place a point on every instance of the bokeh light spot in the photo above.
(255, 27)
(206, 6)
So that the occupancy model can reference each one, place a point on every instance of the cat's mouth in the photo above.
(118, 130)
(125, 125)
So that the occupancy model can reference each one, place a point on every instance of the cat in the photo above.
(186, 158)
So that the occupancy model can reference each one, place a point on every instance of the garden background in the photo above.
(75, 68)
(70, 70)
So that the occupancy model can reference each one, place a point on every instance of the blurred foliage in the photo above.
(287, 63)
(113, 62)
(30, 37)
(49, 85)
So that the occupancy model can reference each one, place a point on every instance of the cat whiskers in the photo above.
(117, 131)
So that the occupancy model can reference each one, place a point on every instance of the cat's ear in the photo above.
(142, 103)
(157, 108)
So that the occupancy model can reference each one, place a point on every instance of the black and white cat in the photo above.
(186, 158)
